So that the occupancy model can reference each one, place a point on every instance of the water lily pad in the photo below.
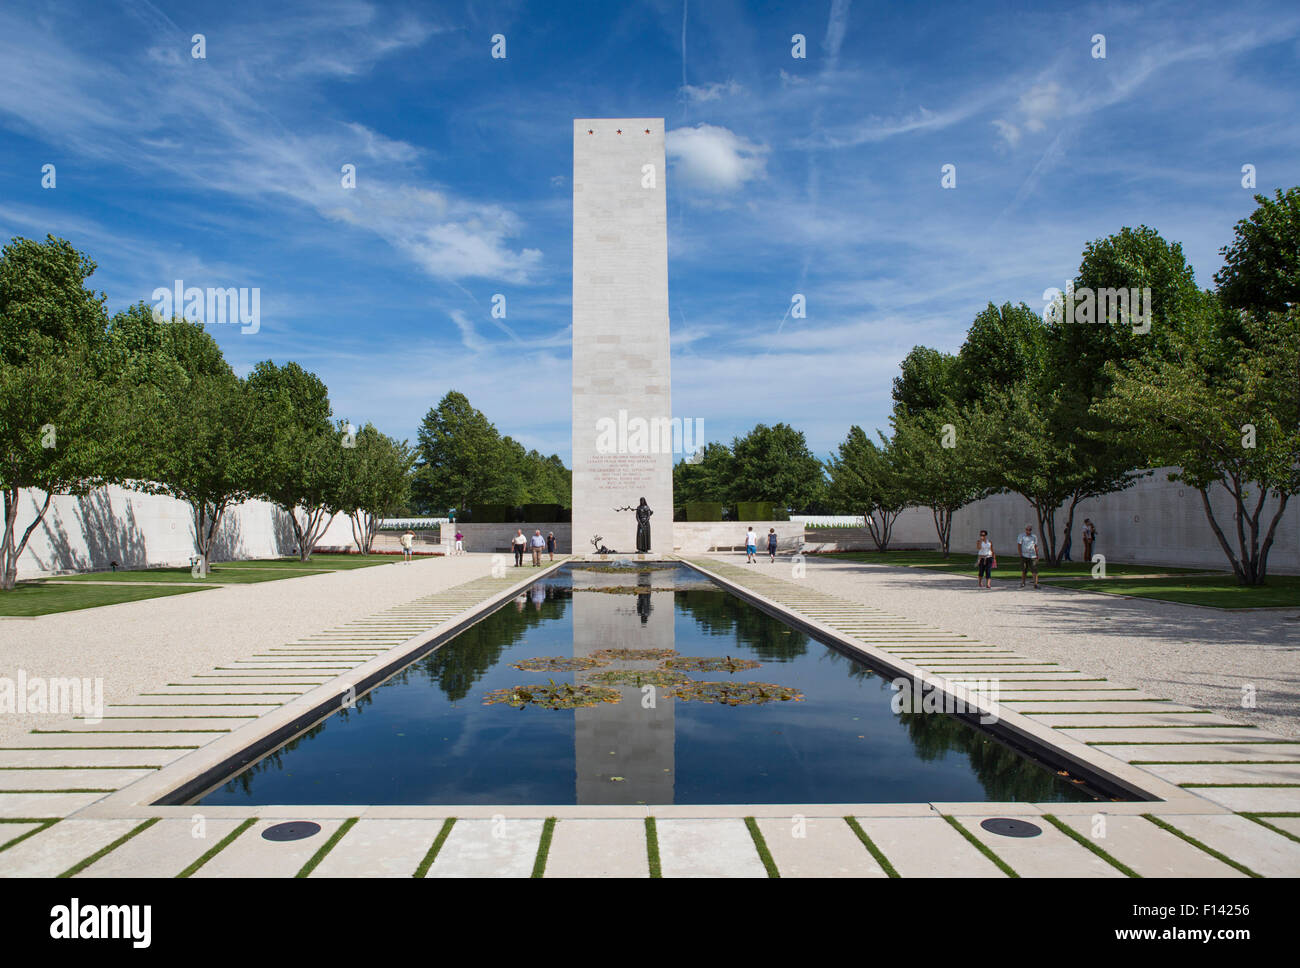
(552, 696)
(557, 663)
(735, 693)
(699, 663)
(624, 589)
(639, 677)
(633, 655)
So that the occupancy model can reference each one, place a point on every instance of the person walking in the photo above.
(519, 543)
(1028, 555)
(1065, 550)
(1089, 538)
(550, 544)
(538, 544)
(460, 543)
(987, 560)
(771, 545)
(407, 537)
(751, 546)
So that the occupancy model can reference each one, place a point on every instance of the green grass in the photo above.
(544, 848)
(760, 844)
(870, 844)
(432, 855)
(1196, 843)
(326, 847)
(1087, 842)
(982, 847)
(1219, 592)
(962, 562)
(41, 598)
(83, 864)
(217, 848)
(652, 847)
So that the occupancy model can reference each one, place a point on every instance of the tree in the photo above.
(927, 381)
(1261, 270)
(940, 456)
(374, 482)
(298, 449)
(57, 401)
(461, 458)
(774, 464)
(706, 477)
(1226, 410)
(865, 477)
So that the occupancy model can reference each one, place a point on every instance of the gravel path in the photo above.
(1197, 656)
(138, 646)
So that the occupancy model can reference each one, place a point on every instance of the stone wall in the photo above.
(694, 537)
(496, 537)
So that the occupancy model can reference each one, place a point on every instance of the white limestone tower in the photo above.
(621, 394)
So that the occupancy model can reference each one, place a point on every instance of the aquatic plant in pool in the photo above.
(560, 697)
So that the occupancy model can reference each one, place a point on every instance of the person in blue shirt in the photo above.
(771, 545)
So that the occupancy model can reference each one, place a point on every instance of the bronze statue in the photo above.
(643, 513)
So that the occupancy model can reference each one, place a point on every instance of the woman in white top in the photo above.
(987, 559)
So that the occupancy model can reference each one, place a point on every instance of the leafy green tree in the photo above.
(1261, 269)
(299, 449)
(927, 381)
(865, 477)
(1225, 409)
(1004, 345)
(374, 481)
(774, 464)
(707, 476)
(59, 412)
(940, 455)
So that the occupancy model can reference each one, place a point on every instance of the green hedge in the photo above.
(754, 511)
(489, 513)
(542, 513)
(703, 510)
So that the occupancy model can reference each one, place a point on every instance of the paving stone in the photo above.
(1290, 824)
(827, 847)
(926, 847)
(159, 725)
(86, 758)
(45, 804)
(12, 831)
(707, 848)
(1262, 850)
(1114, 720)
(1130, 841)
(1168, 734)
(1227, 772)
(598, 848)
(380, 848)
(1245, 799)
(68, 779)
(1050, 854)
(489, 848)
(96, 740)
(249, 855)
(53, 851)
(164, 850)
(1039, 707)
(1226, 752)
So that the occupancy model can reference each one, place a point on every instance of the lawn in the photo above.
(240, 572)
(963, 563)
(1219, 592)
(40, 598)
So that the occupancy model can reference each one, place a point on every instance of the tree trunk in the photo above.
(11, 550)
(943, 525)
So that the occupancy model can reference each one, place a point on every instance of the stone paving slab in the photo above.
(489, 848)
(1109, 720)
(818, 847)
(926, 847)
(707, 848)
(1050, 854)
(12, 831)
(1148, 850)
(163, 850)
(1264, 851)
(45, 804)
(110, 740)
(1244, 799)
(1167, 734)
(1120, 709)
(35, 758)
(1226, 752)
(1290, 824)
(53, 851)
(250, 855)
(1227, 772)
(598, 848)
(380, 848)
(158, 725)
(68, 779)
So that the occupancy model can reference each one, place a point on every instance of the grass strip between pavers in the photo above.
(217, 848)
(982, 847)
(83, 864)
(432, 855)
(652, 847)
(45, 824)
(326, 847)
(1087, 842)
(1258, 818)
(760, 845)
(870, 844)
(543, 848)
(1217, 855)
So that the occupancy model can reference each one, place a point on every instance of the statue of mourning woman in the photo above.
(643, 513)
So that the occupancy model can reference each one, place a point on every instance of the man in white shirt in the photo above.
(1028, 555)
(751, 546)
(519, 542)
(407, 538)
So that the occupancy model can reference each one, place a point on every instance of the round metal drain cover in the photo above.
(293, 830)
(1007, 827)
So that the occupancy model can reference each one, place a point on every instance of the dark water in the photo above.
(425, 736)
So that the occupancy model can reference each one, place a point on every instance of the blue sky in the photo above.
(818, 176)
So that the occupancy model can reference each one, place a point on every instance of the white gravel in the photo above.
(1199, 656)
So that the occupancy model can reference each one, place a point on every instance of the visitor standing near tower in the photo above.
(519, 542)
(987, 560)
(1089, 538)
(407, 538)
(538, 543)
(771, 545)
(1028, 555)
(460, 543)
(550, 544)
(751, 546)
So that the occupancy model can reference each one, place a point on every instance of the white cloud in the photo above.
(714, 159)
(711, 92)
(1040, 104)
(1007, 131)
